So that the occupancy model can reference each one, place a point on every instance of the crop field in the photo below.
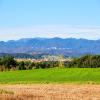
(53, 75)
(49, 92)
(51, 84)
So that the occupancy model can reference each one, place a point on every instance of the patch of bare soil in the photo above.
(50, 92)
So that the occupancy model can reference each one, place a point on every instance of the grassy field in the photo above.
(54, 75)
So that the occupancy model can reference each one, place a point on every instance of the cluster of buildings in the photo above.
(46, 58)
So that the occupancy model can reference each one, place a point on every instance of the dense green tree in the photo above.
(8, 61)
(87, 61)
(21, 66)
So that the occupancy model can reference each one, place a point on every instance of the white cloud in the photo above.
(63, 31)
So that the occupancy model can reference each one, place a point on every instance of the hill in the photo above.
(54, 46)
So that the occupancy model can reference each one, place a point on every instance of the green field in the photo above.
(54, 75)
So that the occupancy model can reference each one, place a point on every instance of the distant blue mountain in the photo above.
(68, 46)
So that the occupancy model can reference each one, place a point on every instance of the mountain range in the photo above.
(52, 46)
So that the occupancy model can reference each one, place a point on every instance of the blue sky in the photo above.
(49, 18)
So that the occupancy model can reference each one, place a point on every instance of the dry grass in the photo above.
(50, 92)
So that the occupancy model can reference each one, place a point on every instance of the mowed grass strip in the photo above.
(53, 75)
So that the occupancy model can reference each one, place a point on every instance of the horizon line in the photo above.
(48, 38)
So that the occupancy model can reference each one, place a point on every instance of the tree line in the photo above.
(88, 61)
(9, 63)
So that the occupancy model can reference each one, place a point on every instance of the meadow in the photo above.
(51, 75)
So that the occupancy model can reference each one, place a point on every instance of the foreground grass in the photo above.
(54, 75)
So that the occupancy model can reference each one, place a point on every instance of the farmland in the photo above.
(51, 75)
(50, 84)
(49, 92)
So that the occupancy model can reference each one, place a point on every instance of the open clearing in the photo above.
(50, 92)
(53, 75)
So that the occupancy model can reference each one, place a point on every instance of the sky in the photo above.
(49, 18)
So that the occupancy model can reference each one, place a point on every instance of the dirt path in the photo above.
(50, 92)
